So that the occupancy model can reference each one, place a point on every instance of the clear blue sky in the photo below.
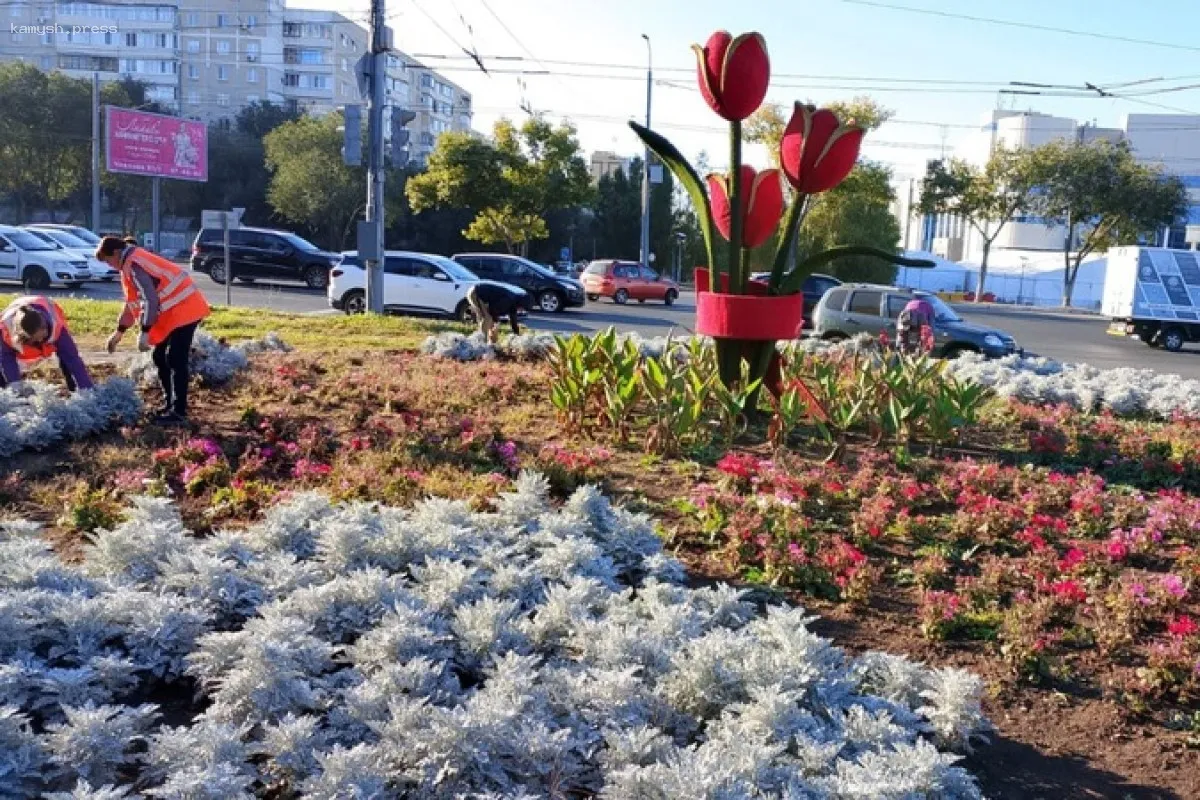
(829, 38)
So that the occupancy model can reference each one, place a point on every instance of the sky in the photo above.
(939, 74)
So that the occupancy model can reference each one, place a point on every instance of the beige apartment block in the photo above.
(208, 59)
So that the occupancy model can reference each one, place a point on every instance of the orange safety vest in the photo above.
(30, 354)
(179, 301)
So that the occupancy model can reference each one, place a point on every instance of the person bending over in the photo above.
(489, 302)
(33, 329)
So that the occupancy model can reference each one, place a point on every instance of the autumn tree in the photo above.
(1104, 196)
(986, 198)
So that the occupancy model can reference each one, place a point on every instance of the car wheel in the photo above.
(464, 314)
(216, 271)
(1172, 339)
(36, 279)
(316, 277)
(671, 297)
(550, 302)
(621, 297)
(355, 302)
(593, 297)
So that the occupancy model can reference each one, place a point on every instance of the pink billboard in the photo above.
(157, 145)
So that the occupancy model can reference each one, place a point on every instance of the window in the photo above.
(222, 100)
(193, 97)
(48, 37)
(427, 271)
(865, 303)
(222, 20)
(291, 79)
(222, 73)
(252, 49)
(129, 65)
(836, 300)
(627, 271)
(131, 40)
(398, 266)
(426, 81)
(310, 56)
(292, 30)
(896, 304)
(18, 37)
(160, 40)
(345, 65)
(193, 72)
(193, 46)
(251, 75)
(223, 46)
(193, 19)
(251, 21)
(649, 274)
(15, 10)
(597, 268)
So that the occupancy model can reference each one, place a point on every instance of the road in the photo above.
(1066, 337)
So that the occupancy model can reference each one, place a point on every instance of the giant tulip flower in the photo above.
(761, 202)
(818, 151)
(733, 73)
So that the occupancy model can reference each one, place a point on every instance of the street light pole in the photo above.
(646, 159)
(375, 198)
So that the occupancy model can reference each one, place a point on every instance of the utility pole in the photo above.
(646, 159)
(96, 152)
(908, 215)
(375, 171)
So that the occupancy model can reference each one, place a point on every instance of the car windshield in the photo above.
(84, 235)
(66, 239)
(27, 241)
(538, 268)
(941, 311)
(47, 238)
(299, 243)
(455, 270)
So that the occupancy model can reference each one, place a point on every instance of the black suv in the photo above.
(550, 292)
(262, 253)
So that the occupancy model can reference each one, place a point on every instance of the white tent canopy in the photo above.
(1031, 278)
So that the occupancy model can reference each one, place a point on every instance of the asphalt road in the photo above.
(1066, 337)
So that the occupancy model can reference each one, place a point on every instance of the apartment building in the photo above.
(206, 59)
(605, 162)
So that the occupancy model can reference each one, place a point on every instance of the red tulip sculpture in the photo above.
(818, 151)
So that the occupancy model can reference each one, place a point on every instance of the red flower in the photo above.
(1068, 590)
(1072, 559)
(1182, 627)
(739, 466)
(761, 201)
(733, 73)
(817, 151)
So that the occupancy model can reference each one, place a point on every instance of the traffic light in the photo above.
(400, 135)
(352, 136)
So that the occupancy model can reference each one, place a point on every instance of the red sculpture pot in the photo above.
(751, 317)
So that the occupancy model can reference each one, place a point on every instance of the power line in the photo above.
(1025, 25)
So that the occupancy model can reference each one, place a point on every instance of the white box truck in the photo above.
(1154, 294)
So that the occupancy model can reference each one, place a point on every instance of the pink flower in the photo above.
(1182, 627)
(1138, 592)
(305, 468)
(1174, 586)
(1117, 550)
(739, 465)
(1073, 558)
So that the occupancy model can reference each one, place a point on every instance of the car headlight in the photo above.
(992, 340)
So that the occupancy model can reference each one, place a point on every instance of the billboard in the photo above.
(156, 145)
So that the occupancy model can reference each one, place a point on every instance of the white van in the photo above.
(37, 264)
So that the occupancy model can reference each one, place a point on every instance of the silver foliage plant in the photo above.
(438, 652)
(529, 346)
(35, 416)
(212, 361)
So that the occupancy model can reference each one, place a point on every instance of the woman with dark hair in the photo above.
(33, 329)
(163, 298)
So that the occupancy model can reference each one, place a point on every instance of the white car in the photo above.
(78, 231)
(37, 264)
(413, 283)
(75, 245)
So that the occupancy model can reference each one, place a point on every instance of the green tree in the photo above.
(528, 170)
(506, 226)
(310, 185)
(986, 198)
(1104, 196)
(618, 217)
(859, 211)
(45, 129)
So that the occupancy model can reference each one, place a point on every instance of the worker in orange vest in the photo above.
(163, 298)
(33, 329)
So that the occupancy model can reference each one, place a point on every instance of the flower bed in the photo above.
(212, 361)
(440, 652)
(35, 416)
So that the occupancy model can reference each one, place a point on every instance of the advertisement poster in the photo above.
(139, 143)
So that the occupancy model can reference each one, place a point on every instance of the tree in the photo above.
(259, 118)
(858, 211)
(1103, 195)
(526, 171)
(506, 226)
(309, 183)
(986, 198)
